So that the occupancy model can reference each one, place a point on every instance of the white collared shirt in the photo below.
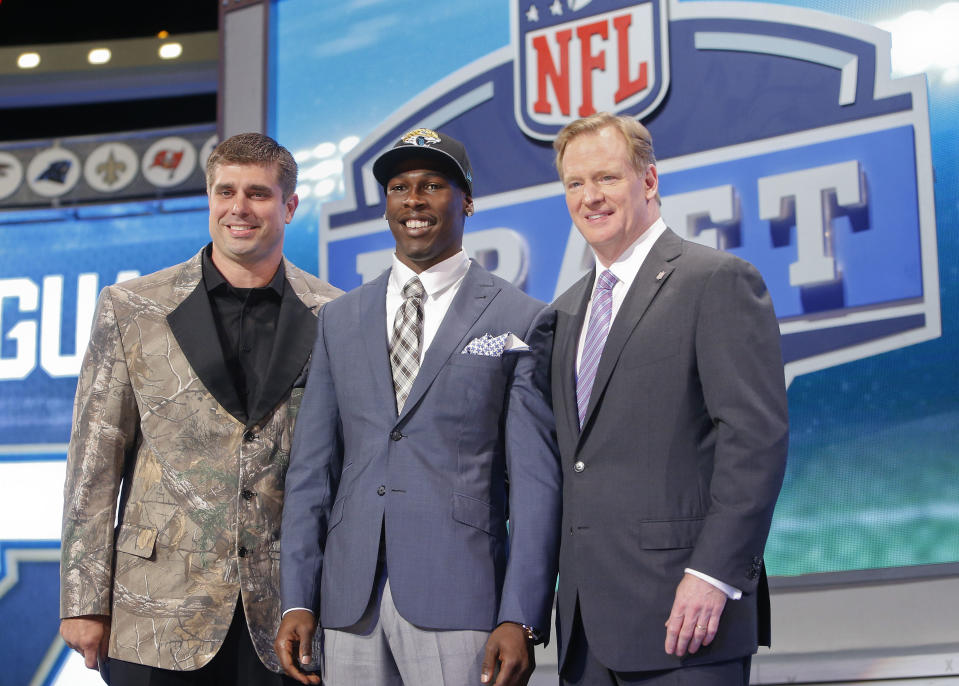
(625, 269)
(441, 283)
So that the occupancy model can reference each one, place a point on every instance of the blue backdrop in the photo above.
(872, 453)
(872, 350)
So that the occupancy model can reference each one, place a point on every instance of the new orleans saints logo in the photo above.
(111, 169)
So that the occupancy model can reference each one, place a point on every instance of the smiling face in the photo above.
(610, 202)
(248, 217)
(425, 211)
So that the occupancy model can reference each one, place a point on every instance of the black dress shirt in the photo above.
(245, 320)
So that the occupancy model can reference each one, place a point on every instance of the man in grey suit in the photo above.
(671, 415)
(425, 425)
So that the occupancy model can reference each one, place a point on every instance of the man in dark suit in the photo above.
(424, 427)
(186, 401)
(670, 404)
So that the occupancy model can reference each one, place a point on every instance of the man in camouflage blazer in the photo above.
(195, 443)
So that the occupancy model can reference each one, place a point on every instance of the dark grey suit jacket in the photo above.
(684, 447)
(474, 444)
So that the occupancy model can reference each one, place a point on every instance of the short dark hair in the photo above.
(255, 148)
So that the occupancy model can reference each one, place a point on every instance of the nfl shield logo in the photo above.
(578, 57)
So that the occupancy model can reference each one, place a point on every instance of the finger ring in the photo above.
(701, 627)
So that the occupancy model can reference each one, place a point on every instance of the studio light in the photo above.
(99, 56)
(170, 51)
(28, 60)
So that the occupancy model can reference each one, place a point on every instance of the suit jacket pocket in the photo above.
(652, 351)
(468, 360)
(669, 533)
(475, 513)
(136, 540)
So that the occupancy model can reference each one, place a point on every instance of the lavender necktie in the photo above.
(596, 332)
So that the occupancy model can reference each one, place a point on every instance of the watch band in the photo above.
(532, 634)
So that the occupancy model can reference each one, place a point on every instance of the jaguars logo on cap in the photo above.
(421, 137)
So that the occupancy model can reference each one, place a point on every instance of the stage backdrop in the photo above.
(789, 137)
(803, 141)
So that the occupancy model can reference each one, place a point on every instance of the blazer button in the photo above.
(395, 435)
(381, 490)
(247, 494)
(241, 551)
(249, 435)
(579, 466)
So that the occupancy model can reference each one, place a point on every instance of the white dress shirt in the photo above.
(625, 269)
(441, 283)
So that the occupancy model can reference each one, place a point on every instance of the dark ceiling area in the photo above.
(32, 22)
(39, 22)
(31, 123)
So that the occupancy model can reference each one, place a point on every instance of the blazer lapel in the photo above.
(295, 334)
(372, 314)
(650, 278)
(569, 324)
(475, 294)
(192, 325)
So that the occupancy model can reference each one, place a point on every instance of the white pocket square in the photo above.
(495, 346)
(515, 344)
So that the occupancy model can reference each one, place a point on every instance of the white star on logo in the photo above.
(578, 4)
(556, 9)
(532, 14)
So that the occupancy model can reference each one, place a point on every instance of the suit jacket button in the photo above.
(395, 435)
(249, 435)
(579, 466)
(381, 490)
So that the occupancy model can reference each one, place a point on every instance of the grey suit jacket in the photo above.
(684, 448)
(473, 446)
(157, 412)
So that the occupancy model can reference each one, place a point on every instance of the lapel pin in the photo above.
(660, 276)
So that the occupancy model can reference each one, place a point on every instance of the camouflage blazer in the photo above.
(202, 488)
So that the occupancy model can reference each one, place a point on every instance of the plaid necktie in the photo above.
(406, 341)
(596, 332)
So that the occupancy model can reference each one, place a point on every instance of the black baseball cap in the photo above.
(448, 152)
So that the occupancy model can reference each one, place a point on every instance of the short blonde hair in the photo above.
(637, 137)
